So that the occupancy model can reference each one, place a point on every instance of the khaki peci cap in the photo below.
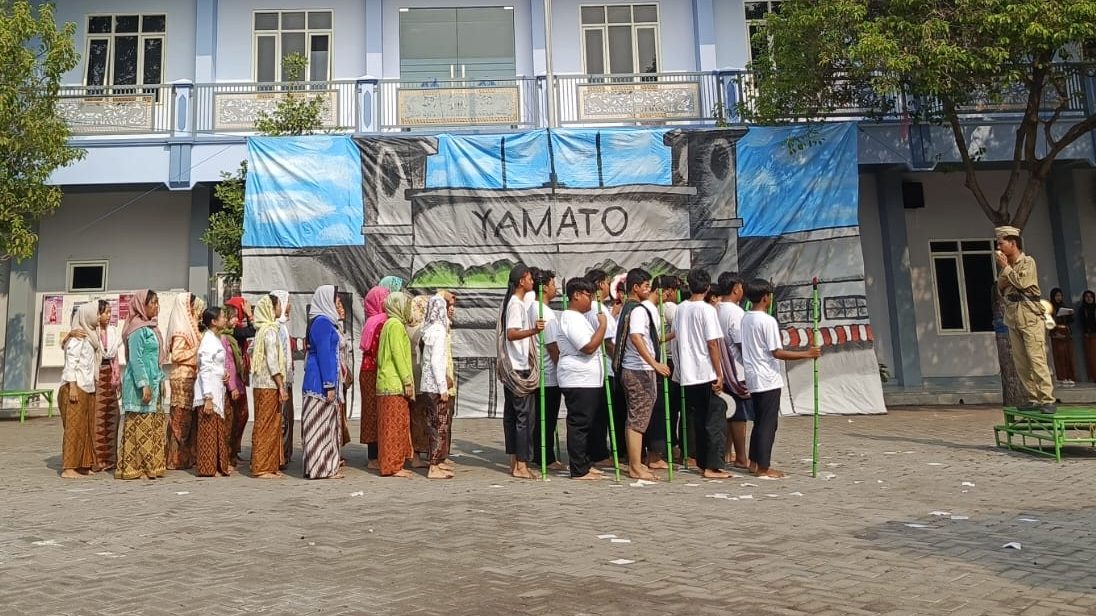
(1006, 231)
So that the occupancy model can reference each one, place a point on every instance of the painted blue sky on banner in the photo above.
(306, 191)
(303, 191)
(789, 192)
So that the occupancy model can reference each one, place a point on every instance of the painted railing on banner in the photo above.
(638, 99)
(117, 110)
(234, 107)
(460, 103)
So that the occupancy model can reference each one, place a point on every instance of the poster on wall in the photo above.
(459, 211)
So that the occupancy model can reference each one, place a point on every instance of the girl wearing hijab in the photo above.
(236, 410)
(287, 350)
(268, 369)
(420, 441)
(1061, 340)
(143, 432)
(1088, 330)
(367, 378)
(182, 334)
(395, 388)
(517, 369)
(435, 384)
(212, 459)
(320, 434)
(394, 284)
(76, 397)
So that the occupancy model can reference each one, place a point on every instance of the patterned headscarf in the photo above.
(392, 283)
(398, 306)
(182, 321)
(437, 312)
(418, 310)
(138, 318)
(374, 316)
(265, 322)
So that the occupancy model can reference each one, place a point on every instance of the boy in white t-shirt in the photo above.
(761, 355)
(599, 431)
(731, 290)
(581, 376)
(697, 333)
(544, 283)
(663, 302)
(516, 371)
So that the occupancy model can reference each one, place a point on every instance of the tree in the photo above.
(294, 114)
(33, 137)
(928, 61)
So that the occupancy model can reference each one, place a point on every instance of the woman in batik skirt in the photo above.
(236, 384)
(105, 415)
(76, 397)
(420, 441)
(367, 376)
(141, 453)
(395, 388)
(212, 459)
(322, 391)
(183, 338)
(242, 334)
(287, 349)
(435, 385)
(268, 386)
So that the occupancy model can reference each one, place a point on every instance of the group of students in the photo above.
(624, 352)
(214, 355)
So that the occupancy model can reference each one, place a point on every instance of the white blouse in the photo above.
(211, 373)
(434, 361)
(81, 365)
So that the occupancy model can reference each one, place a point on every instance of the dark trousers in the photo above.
(708, 421)
(517, 423)
(287, 429)
(552, 396)
(654, 439)
(766, 407)
(582, 408)
(599, 429)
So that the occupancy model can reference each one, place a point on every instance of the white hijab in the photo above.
(283, 304)
(323, 304)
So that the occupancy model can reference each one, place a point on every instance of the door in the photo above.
(468, 43)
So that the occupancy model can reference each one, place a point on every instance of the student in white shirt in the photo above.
(663, 301)
(637, 364)
(544, 282)
(731, 289)
(697, 332)
(599, 432)
(761, 355)
(516, 372)
(580, 374)
(76, 397)
(212, 459)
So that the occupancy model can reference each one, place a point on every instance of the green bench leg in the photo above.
(49, 398)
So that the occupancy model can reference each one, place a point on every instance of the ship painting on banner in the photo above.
(458, 211)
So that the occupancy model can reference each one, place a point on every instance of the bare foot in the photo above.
(641, 473)
(373, 464)
(446, 466)
(523, 473)
(711, 473)
(229, 472)
(336, 476)
(269, 476)
(342, 462)
(591, 476)
(219, 474)
(658, 465)
(596, 471)
(556, 466)
(404, 473)
(605, 462)
(437, 472)
(769, 472)
(70, 473)
(742, 464)
(691, 462)
(145, 476)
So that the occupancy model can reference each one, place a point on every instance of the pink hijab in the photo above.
(138, 318)
(375, 317)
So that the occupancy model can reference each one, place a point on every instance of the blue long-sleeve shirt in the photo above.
(321, 366)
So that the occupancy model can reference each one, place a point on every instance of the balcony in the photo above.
(185, 110)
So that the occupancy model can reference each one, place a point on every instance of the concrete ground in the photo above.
(909, 516)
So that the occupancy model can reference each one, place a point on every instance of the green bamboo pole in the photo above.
(816, 340)
(543, 423)
(684, 416)
(665, 391)
(609, 398)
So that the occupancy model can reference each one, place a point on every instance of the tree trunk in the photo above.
(1012, 391)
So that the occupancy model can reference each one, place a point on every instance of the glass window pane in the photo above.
(978, 279)
(943, 246)
(645, 13)
(620, 50)
(266, 59)
(978, 245)
(87, 277)
(647, 49)
(593, 15)
(154, 23)
(319, 20)
(126, 23)
(947, 293)
(757, 47)
(100, 24)
(485, 43)
(292, 43)
(266, 21)
(428, 44)
(293, 21)
(756, 10)
(97, 62)
(595, 51)
(125, 60)
(318, 58)
(154, 63)
(620, 14)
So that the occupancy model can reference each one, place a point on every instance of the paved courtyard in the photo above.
(910, 518)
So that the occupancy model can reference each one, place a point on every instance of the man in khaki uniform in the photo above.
(1018, 282)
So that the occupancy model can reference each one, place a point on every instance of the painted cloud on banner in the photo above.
(303, 192)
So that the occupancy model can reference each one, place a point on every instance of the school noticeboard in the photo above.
(59, 308)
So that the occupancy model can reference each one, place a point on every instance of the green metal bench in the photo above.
(25, 396)
(1045, 435)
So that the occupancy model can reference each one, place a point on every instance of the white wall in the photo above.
(1085, 182)
(731, 44)
(146, 242)
(179, 61)
(875, 278)
(235, 20)
(677, 47)
(950, 212)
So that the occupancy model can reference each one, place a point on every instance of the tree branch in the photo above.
(1024, 134)
(968, 163)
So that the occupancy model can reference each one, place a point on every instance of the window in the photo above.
(125, 50)
(963, 273)
(756, 12)
(87, 276)
(283, 33)
(620, 39)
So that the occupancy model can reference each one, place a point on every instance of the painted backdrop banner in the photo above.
(458, 211)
